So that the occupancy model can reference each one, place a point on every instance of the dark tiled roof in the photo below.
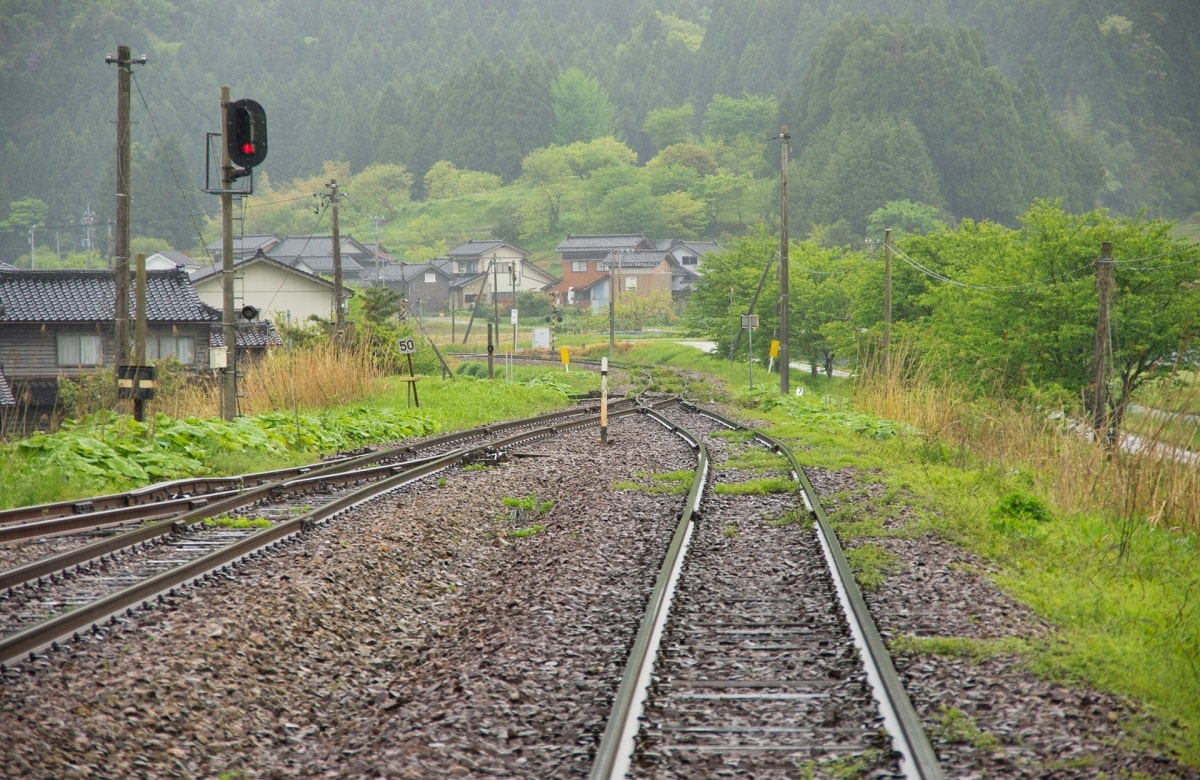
(324, 265)
(597, 243)
(248, 334)
(90, 296)
(317, 246)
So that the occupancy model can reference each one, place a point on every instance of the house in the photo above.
(487, 266)
(315, 254)
(689, 254)
(583, 279)
(285, 294)
(61, 324)
(428, 287)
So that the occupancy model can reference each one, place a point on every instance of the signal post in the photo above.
(244, 142)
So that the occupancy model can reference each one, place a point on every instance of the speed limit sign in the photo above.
(408, 345)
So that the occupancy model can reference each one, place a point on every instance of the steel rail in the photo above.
(920, 761)
(49, 632)
(79, 555)
(30, 521)
(615, 751)
(356, 467)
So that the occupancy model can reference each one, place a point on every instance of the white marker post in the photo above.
(604, 400)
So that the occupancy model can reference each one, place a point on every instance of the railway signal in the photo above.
(246, 133)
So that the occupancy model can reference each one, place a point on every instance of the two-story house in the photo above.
(585, 267)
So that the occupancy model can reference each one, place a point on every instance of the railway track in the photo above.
(743, 666)
(49, 599)
(545, 660)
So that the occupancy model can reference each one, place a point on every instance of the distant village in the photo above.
(61, 323)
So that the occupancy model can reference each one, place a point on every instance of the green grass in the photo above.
(955, 726)
(871, 565)
(108, 454)
(237, 522)
(666, 483)
(757, 487)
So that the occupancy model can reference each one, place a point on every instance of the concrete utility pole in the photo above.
(124, 63)
(1104, 288)
(228, 328)
(785, 365)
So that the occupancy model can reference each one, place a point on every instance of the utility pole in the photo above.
(124, 63)
(1104, 288)
(785, 365)
(887, 291)
(228, 328)
(334, 196)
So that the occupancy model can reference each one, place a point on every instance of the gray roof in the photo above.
(318, 246)
(208, 271)
(90, 296)
(600, 243)
(324, 265)
(245, 245)
(248, 334)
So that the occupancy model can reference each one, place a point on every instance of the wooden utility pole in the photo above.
(1101, 352)
(124, 63)
(339, 315)
(785, 364)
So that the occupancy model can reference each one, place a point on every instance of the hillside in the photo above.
(1089, 101)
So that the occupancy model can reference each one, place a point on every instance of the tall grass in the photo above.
(311, 377)
(1129, 484)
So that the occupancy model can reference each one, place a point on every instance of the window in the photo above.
(690, 260)
(430, 277)
(579, 266)
(182, 347)
(80, 349)
(467, 266)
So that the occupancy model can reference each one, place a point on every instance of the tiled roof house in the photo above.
(61, 324)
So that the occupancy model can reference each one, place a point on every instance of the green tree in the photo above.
(904, 216)
(1020, 312)
(379, 190)
(26, 213)
(446, 180)
(726, 119)
(727, 287)
(582, 109)
(670, 126)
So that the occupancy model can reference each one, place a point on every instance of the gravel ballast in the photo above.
(415, 637)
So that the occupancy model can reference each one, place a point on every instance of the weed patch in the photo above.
(757, 487)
